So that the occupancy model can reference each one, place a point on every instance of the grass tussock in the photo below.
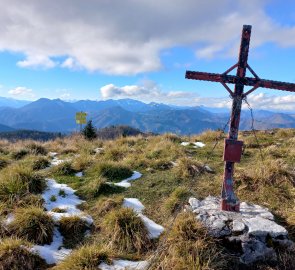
(31, 200)
(19, 154)
(15, 255)
(102, 207)
(172, 138)
(209, 136)
(64, 168)
(86, 257)
(188, 168)
(126, 231)
(112, 171)
(269, 172)
(96, 187)
(82, 162)
(33, 224)
(270, 183)
(36, 149)
(285, 133)
(177, 198)
(17, 181)
(73, 230)
(189, 247)
(40, 163)
(3, 162)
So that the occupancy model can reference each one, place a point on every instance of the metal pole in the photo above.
(229, 201)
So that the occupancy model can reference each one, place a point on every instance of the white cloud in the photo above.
(63, 93)
(70, 63)
(149, 91)
(65, 96)
(272, 102)
(35, 61)
(127, 37)
(22, 91)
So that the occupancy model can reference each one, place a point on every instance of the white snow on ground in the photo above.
(133, 203)
(79, 174)
(10, 217)
(62, 196)
(52, 253)
(55, 160)
(196, 144)
(124, 264)
(154, 229)
(59, 196)
(199, 144)
(185, 143)
(98, 150)
(125, 183)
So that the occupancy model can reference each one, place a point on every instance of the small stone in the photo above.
(285, 243)
(255, 250)
(194, 203)
(208, 169)
(261, 227)
(238, 226)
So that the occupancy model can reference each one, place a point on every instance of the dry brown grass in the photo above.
(176, 199)
(15, 255)
(209, 136)
(87, 257)
(126, 231)
(32, 224)
(189, 247)
(73, 230)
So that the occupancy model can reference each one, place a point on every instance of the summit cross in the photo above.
(233, 147)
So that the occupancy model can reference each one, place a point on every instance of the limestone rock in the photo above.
(247, 232)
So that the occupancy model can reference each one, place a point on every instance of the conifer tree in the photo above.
(89, 131)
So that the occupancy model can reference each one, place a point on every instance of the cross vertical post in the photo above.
(229, 201)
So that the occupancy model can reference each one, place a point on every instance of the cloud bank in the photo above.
(127, 37)
(152, 92)
(22, 92)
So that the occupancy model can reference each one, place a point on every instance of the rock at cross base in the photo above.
(251, 229)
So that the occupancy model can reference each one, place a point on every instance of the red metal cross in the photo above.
(233, 147)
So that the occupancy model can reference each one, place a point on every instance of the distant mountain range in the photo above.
(59, 116)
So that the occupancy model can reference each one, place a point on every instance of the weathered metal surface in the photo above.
(247, 81)
(233, 147)
(232, 150)
(229, 201)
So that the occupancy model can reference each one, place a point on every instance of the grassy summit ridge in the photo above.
(171, 173)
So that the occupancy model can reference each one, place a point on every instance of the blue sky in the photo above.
(141, 49)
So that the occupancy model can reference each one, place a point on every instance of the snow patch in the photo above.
(52, 154)
(52, 253)
(196, 144)
(10, 218)
(79, 174)
(124, 264)
(59, 196)
(62, 196)
(98, 150)
(185, 143)
(133, 203)
(125, 183)
(199, 144)
(153, 228)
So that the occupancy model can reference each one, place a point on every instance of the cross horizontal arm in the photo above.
(224, 78)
